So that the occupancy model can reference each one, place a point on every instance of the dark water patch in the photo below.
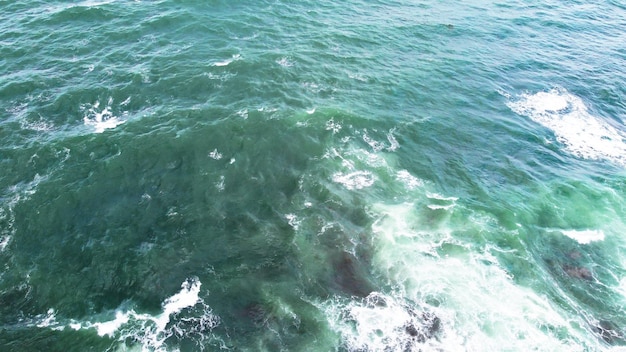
(36, 339)
(349, 277)
(169, 206)
(609, 332)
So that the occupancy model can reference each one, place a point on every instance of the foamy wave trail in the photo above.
(582, 134)
(184, 316)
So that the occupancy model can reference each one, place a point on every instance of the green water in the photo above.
(285, 175)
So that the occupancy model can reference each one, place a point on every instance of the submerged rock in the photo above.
(429, 326)
(383, 322)
(609, 332)
(578, 272)
(349, 277)
(256, 313)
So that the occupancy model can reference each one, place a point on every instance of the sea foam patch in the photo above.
(382, 322)
(583, 135)
(101, 120)
(184, 315)
(584, 236)
(354, 180)
(478, 304)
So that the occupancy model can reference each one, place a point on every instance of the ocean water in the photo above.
(312, 176)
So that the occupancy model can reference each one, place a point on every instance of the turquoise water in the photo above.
(299, 176)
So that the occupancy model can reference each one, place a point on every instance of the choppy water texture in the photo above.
(312, 176)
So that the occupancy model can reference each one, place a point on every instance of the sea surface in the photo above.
(288, 175)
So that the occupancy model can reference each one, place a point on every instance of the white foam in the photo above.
(410, 181)
(379, 323)
(243, 113)
(433, 195)
(354, 180)
(41, 125)
(4, 242)
(47, 320)
(101, 120)
(284, 62)
(91, 3)
(152, 331)
(480, 306)
(227, 62)
(583, 135)
(215, 155)
(110, 327)
(376, 145)
(293, 221)
(187, 297)
(392, 141)
(440, 207)
(357, 76)
(585, 236)
(220, 185)
(333, 126)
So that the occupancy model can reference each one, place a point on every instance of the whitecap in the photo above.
(109, 328)
(479, 304)
(582, 134)
(221, 185)
(4, 242)
(410, 181)
(243, 113)
(40, 125)
(215, 154)
(152, 331)
(101, 120)
(358, 77)
(293, 221)
(188, 296)
(440, 207)
(333, 126)
(47, 320)
(376, 145)
(227, 61)
(392, 141)
(354, 180)
(284, 62)
(433, 195)
(585, 236)
(381, 322)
